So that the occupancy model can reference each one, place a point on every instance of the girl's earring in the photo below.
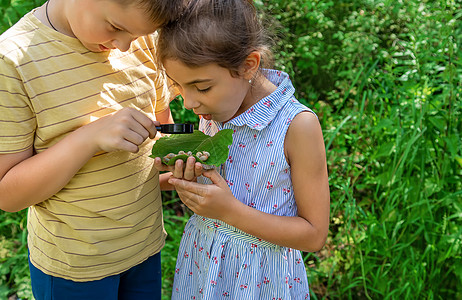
(250, 81)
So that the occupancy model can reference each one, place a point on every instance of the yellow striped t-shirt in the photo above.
(108, 218)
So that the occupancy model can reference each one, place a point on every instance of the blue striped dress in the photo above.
(218, 261)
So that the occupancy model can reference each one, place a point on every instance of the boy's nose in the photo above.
(123, 44)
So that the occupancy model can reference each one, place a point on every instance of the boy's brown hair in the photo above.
(160, 11)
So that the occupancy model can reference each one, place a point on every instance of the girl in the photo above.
(271, 198)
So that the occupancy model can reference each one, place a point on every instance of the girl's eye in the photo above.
(203, 90)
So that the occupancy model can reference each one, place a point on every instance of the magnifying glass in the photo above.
(176, 128)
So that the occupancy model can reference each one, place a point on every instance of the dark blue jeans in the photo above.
(141, 282)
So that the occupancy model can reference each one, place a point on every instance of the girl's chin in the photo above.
(208, 117)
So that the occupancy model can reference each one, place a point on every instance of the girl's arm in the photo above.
(304, 147)
(27, 179)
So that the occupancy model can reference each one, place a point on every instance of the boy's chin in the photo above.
(96, 48)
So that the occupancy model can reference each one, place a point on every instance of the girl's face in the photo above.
(210, 90)
(101, 25)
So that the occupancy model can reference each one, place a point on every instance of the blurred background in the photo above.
(385, 78)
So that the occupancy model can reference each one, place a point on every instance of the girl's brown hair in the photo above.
(224, 32)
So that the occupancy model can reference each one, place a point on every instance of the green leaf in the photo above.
(459, 160)
(385, 149)
(216, 145)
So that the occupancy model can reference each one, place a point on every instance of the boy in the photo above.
(79, 90)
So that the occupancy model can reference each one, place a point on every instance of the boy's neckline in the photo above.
(69, 41)
(42, 13)
(48, 17)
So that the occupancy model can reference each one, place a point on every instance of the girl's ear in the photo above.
(251, 65)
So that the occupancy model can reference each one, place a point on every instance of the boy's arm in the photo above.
(27, 179)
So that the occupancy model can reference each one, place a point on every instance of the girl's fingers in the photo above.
(189, 171)
(184, 170)
(188, 198)
(198, 169)
(214, 176)
(178, 183)
(159, 165)
(189, 186)
(178, 171)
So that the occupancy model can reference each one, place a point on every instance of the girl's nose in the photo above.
(190, 102)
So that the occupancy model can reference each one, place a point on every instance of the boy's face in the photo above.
(101, 25)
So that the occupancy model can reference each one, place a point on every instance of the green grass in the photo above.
(14, 268)
(175, 216)
(385, 78)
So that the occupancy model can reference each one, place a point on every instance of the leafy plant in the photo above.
(176, 214)
(14, 269)
(12, 10)
(216, 145)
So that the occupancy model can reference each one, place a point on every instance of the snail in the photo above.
(202, 155)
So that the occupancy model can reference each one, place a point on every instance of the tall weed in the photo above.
(394, 161)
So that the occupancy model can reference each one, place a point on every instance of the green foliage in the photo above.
(217, 146)
(14, 269)
(12, 10)
(385, 78)
(182, 115)
(393, 144)
(175, 217)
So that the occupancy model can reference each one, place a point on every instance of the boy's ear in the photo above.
(251, 65)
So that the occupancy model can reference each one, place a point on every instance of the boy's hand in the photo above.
(124, 130)
(189, 172)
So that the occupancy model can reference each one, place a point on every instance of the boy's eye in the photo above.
(115, 28)
(203, 90)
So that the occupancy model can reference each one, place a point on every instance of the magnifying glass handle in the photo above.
(176, 128)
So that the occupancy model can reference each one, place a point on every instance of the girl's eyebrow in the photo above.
(198, 81)
(191, 82)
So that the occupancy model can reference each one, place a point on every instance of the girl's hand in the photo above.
(124, 130)
(189, 172)
(208, 200)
